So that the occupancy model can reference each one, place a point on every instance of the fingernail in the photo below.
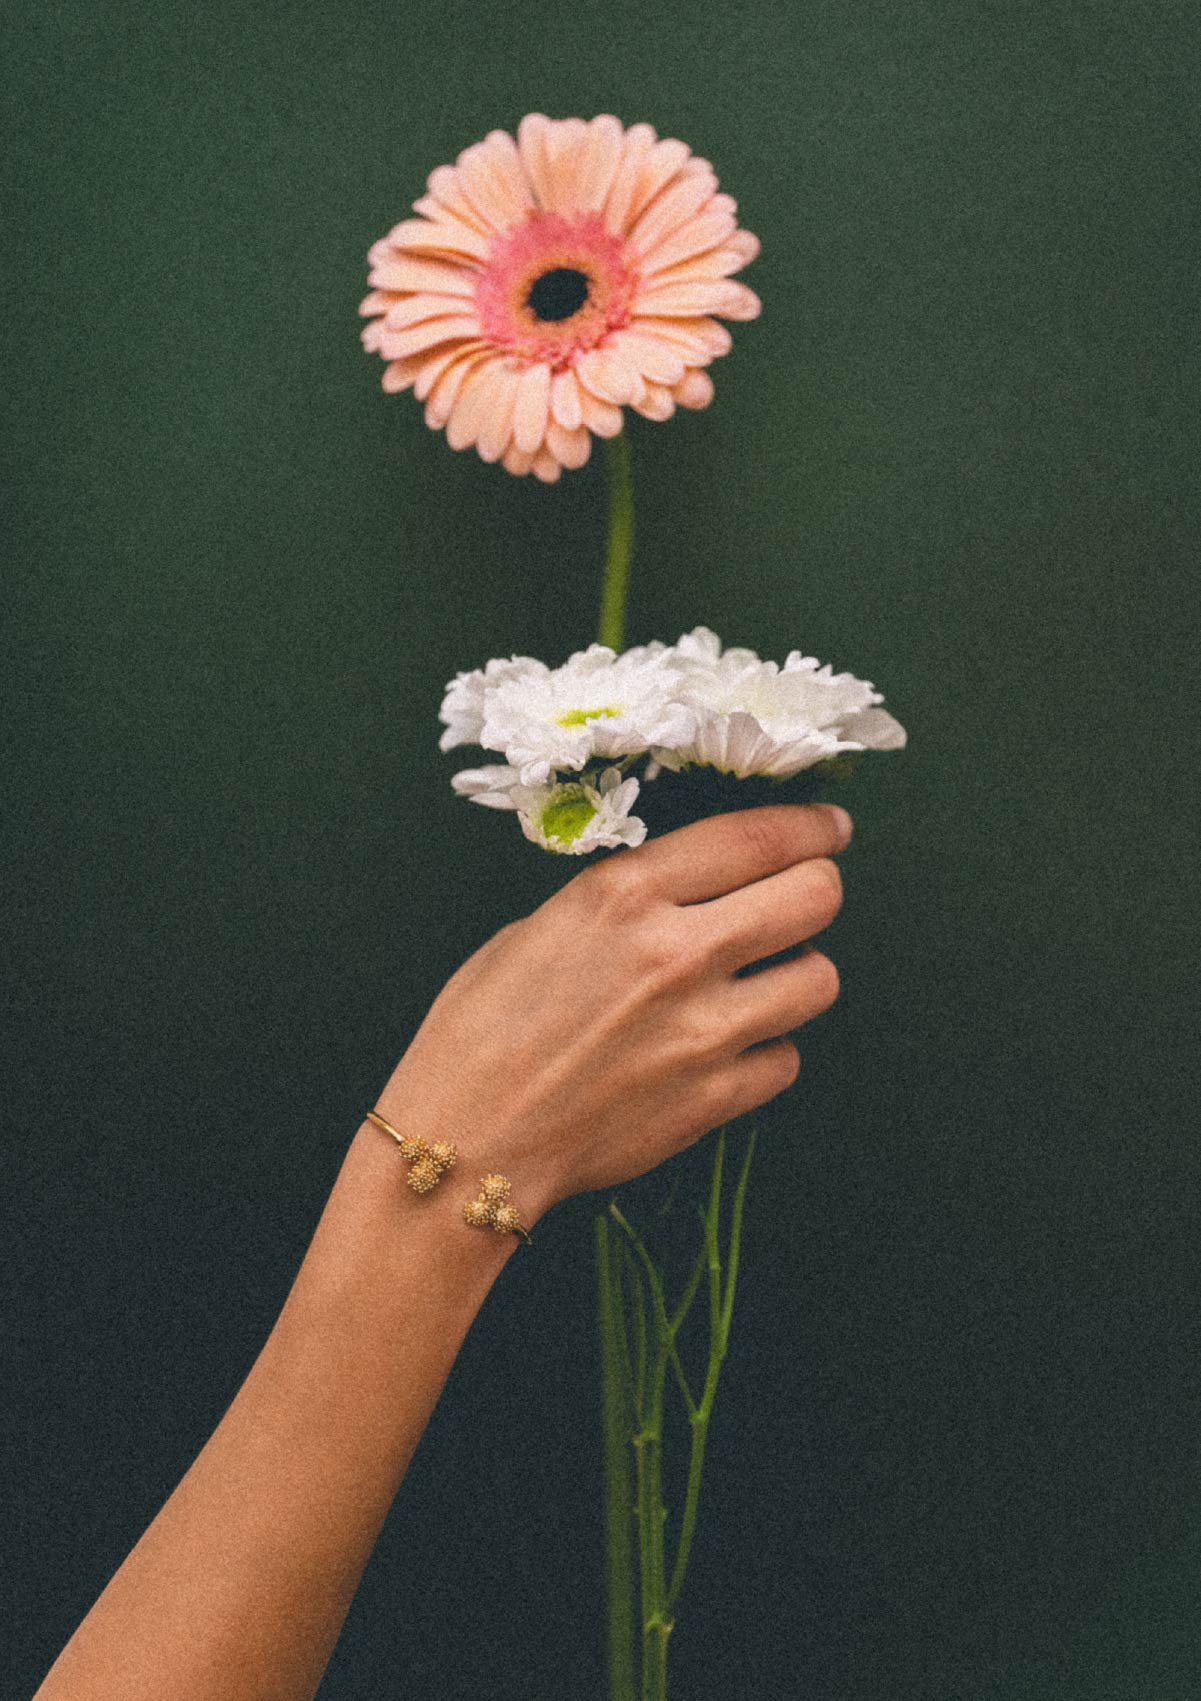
(843, 824)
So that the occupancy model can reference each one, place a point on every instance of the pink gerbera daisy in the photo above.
(550, 281)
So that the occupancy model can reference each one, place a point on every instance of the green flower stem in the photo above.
(615, 1430)
(656, 1349)
(620, 543)
(638, 1380)
(721, 1309)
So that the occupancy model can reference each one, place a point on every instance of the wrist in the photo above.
(482, 1148)
(377, 1238)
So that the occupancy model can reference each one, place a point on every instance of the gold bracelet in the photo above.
(493, 1208)
(429, 1162)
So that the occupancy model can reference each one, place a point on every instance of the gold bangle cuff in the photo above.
(493, 1208)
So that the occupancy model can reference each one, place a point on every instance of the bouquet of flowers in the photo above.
(569, 734)
(548, 281)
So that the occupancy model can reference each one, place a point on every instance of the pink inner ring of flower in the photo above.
(548, 242)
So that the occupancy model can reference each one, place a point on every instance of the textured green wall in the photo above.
(955, 1455)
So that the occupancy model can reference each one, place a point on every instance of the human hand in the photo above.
(583, 1045)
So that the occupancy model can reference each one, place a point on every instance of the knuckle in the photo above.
(706, 1036)
(674, 952)
(683, 955)
(663, 957)
(618, 884)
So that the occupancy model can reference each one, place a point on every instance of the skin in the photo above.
(578, 1048)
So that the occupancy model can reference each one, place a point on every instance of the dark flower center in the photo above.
(557, 295)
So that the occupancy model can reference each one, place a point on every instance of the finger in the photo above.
(712, 857)
(754, 1078)
(773, 914)
(763, 1006)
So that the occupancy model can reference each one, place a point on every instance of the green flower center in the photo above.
(566, 817)
(581, 717)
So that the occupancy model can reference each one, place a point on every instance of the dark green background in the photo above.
(955, 1455)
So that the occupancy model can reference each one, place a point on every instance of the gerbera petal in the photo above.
(659, 166)
(516, 461)
(448, 194)
(570, 447)
(701, 340)
(693, 237)
(687, 300)
(402, 374)
(446, 389)
(447, 236)
(376, 302)
(396, 345)
(695, 390)
(435, 362)
(532, 135)
(657, 403)
(531, 408)
(496, 427)
(639, 141)
(743, 303)
(566, 140)
(652, 358)
(746, 243)
(682, 201)
(472, 403)
(434, 277)
(546, 467)
(714, 263)
(565, 400)
(506, 164)
(609, 374)
(599, 159)
(407, 310)
(601, 417)
(486, 181)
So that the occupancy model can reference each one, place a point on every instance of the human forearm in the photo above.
(240, 1586)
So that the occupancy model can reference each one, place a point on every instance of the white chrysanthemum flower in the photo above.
(597, 704)
(463, 706)
(754, 717)
(577, 817)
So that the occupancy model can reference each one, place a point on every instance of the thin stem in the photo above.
(681, 1311)
(648, 1452)
(620, 545)
(634, 1280)
(727, 1307)
(656, 1628)
(625, 1363)
(618, 1558)
(721, 1308)
(668, 1328)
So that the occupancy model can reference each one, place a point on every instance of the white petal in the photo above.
(491, 785)
(876, 729)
